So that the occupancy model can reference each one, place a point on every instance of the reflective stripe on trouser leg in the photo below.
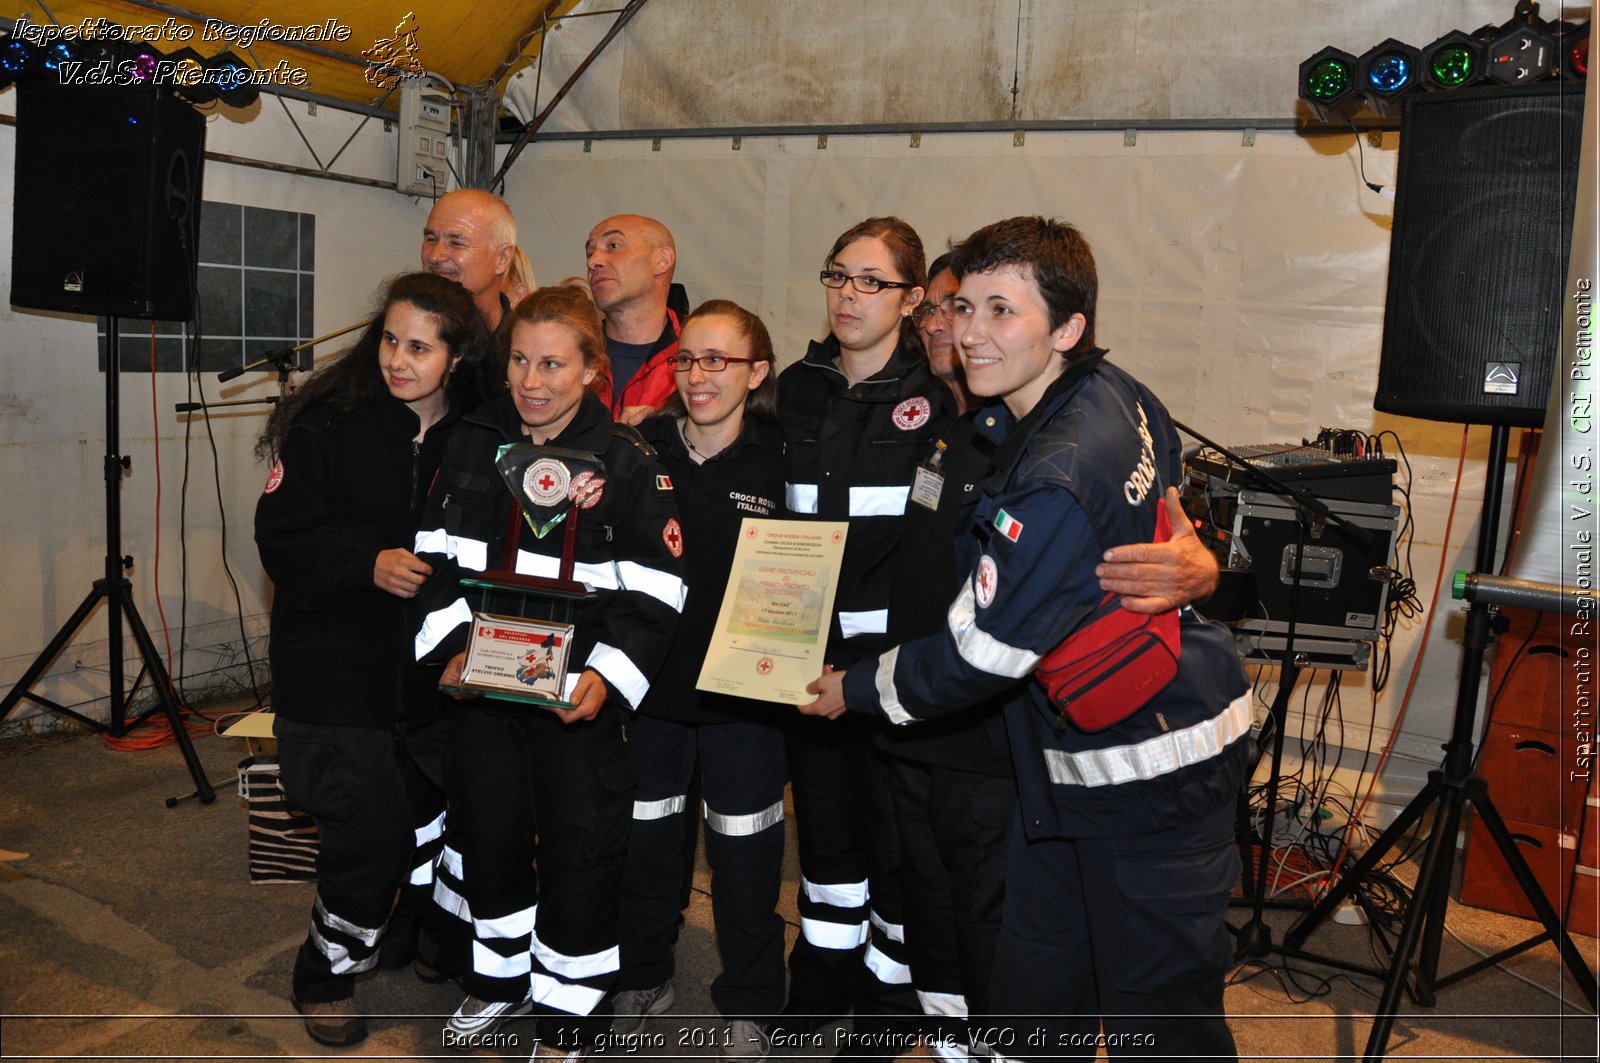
(742, 778)
(430, 841)
(348, 947)
(654, 869)
(886, 953)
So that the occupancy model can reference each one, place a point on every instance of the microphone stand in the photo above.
(1254, 939)
(283, 359)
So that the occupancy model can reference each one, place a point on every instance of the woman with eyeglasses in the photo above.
(718, 439)
(859, 413)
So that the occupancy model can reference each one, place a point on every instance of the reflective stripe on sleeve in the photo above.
(618, 670)
(888, 696)
(662, 586)
(981, 650)
(439, 623)
(469, 553)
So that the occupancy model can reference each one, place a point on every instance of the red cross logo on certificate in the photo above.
(764, 665)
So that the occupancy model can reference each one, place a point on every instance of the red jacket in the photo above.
(652, 385)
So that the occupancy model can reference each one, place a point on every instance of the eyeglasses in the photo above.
(865, 283)
(944, 308)
(710, 363)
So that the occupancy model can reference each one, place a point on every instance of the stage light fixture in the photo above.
(17, 58)
(1521, 54)
(145, 63)
(1328, 84)
(1388, 72)
(189, 76)
(1453, 61)
(235, 87)
(1573, 42)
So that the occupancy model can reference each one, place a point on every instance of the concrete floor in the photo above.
(132, 930)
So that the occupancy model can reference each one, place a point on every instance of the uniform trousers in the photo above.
(1118, 941)
(539, 816)
(953, 827)
(851, 952)
(741, 767)
(378, 802)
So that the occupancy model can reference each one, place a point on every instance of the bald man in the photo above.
(630, 263)
(470, 238)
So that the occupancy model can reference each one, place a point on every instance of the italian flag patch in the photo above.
(1008, 526)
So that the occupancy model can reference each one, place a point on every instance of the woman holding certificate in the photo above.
(859, 413)
(360, 731)
(530, 785)
(719, 440)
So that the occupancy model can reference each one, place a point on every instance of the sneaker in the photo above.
(630, 1007)
(335, 1023)
(566, 1055)
(746, 1040)
(475, 1018)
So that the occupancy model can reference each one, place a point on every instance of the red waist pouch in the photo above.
(1112, 666)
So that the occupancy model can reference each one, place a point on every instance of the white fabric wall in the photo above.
(1244, 283)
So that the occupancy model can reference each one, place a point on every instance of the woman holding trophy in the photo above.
(549, 785)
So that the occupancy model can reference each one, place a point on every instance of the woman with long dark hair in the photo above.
(359, 727)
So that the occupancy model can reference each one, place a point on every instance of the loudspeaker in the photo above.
(107, 207)
(1478, 254)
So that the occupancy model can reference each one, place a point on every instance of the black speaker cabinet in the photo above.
(1478, 255)
(107, 206)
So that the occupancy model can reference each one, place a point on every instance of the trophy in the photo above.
(522, 624)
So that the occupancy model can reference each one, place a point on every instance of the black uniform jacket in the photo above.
(629, 545)
(851, 453)
(347, 485)
(745, 480)
(925, 582)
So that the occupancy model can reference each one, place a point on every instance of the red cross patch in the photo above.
(988, 580)
(672, 535)
(546, 482)
(274, 478)
(912, 413)
(586, 489)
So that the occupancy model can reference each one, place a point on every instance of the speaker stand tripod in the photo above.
(1448, 793)
(116, 591)
(1253, 939)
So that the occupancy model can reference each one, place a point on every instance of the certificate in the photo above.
(772, 630)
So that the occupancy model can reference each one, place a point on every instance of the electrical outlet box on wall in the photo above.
(422, 166)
